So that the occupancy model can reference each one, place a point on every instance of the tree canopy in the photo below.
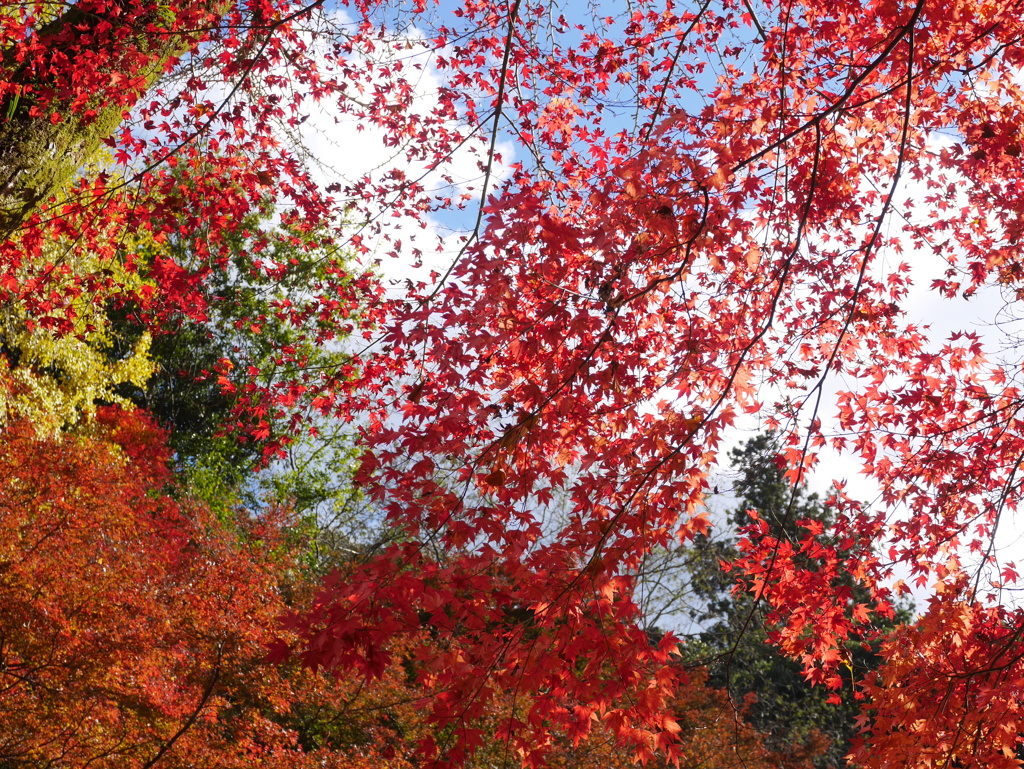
(685, 216)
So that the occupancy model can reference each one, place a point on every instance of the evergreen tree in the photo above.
(783, 705)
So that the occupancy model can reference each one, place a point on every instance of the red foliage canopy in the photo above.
(702, 220)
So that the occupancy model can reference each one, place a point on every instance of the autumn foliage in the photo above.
(685, 218)
(136, 629)
(136, 625)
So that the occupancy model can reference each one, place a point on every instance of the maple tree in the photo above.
(135, 625)
(712, 726)
(703, 219)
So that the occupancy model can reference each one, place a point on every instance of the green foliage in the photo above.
(260, 328)
(260, 346)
